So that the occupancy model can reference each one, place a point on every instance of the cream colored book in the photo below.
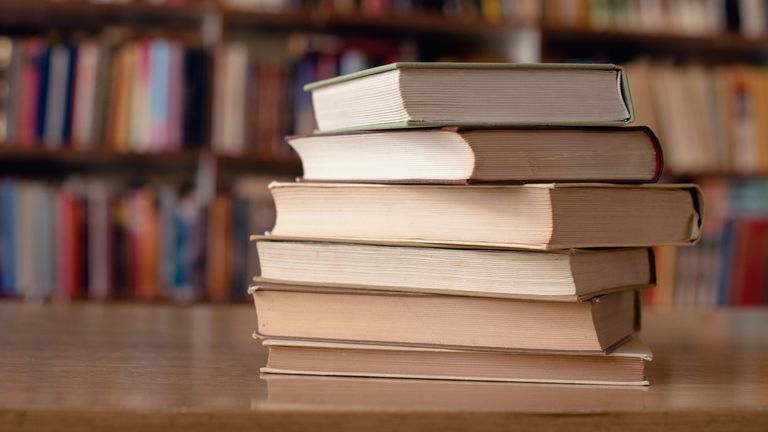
(563, 275)
(484, 155)
(624, 366)
(534, 216)
(472, 94)
(466, 322)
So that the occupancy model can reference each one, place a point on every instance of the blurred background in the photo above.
(137, 136)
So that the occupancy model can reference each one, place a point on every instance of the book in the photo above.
(624, 366)
(454, 155)
(533, 216)
(358, 315)
(58, 96)
(158, 91)
(68, 254)
(29, 83)
(196, 97)
(303, 392)
(229, 84)
(90, 58)
(138, 133)
(218, 245)
(7, 51)
(567, 275)
(9, 236)
(41, 79)
(412, 94)
(13, 93)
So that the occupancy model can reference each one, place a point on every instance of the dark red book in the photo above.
(752, 280)
(32, 50)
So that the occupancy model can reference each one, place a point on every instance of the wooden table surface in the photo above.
(164, 367)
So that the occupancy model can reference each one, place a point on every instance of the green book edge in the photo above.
(457, 65)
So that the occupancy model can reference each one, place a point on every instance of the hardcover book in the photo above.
(624, 366)
(534, 216)
(473, 94)
(570, 275)
(460, 155)
(465, 322)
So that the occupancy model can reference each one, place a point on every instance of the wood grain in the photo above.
(153, 367)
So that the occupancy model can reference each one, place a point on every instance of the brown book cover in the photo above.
(652, 139)
(464, 322)
(624, 366)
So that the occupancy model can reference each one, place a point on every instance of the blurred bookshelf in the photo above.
(168, 153)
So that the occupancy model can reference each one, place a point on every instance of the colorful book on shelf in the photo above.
(598, 325)
(158, 92)
(9, 235)
(43, 66)
(466, 155)
(60, 83)
(102, 90)
(623, 366)
(534, 216)
(575, 274)
(196, 97)
(272, 77)
(218, 245)
(32, 50)
(143, 233)
(175, 99)
(101, 238)
(117, 125)
(139, 133)
(229, 104)
(7, 51)
(69, 250)
(89, 60)
(402, 95)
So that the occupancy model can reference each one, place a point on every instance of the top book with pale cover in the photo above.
(402, 95)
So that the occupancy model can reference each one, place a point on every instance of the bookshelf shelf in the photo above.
(726, 45)
(82, 13)
(38, 13)
(103, 159)
(16, 14)
(415, 23)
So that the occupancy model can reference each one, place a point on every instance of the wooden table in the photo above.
(129, 367)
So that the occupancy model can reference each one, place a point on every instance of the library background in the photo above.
(145, 185)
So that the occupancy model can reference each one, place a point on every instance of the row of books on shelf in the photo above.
(153, 95)
(727, 268)
(709, 119)
(258, 97)
(88, 238)
(690, 17)
(144, 95)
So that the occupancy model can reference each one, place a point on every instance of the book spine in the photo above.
(158, 94)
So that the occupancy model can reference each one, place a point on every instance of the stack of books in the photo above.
(472, 222)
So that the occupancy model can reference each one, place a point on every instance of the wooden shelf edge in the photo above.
(69, 156)
(719, 42)
(18, 12)
(416, 22)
